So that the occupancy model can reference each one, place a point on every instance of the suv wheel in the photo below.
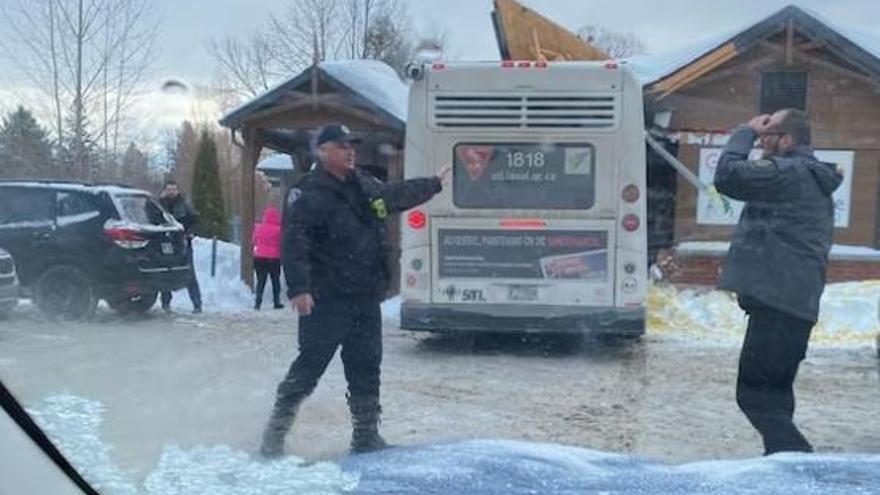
(136, 305)
(65, 291)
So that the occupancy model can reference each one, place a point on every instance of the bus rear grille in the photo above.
(553, 112)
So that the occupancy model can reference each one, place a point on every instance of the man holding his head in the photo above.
(776, 263)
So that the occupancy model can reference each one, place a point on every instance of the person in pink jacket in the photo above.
(267, 255)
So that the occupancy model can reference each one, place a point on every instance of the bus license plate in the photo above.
(167, 248)
(522, 293)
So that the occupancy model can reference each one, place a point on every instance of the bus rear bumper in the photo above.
(523, 318)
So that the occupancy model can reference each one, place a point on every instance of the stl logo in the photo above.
(475, 159)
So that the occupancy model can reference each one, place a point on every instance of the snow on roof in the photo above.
(276, 162)
(374, 80)
(653, 67)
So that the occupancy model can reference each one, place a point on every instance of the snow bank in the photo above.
(477, 467)
(73, 423)
(225, 291)
(506, 468)
(848, 314)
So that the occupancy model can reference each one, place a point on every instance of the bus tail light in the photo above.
(630, 222)
(417, 219)
(630, 193)
(507, 64)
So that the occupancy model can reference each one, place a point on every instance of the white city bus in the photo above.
(543, 227)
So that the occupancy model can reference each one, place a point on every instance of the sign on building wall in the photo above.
(713, 211)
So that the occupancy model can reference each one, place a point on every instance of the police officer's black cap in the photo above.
(337, 133)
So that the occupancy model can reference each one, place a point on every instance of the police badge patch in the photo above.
(293, 195)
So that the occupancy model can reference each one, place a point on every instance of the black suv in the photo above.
(76, 243)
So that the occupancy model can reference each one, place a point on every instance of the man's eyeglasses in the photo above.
(771, 133)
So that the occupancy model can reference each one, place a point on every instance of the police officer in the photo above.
(334, 253)
(776, 263)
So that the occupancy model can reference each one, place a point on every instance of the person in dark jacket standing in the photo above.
(173, 201)
(776, 263)
(334, 255)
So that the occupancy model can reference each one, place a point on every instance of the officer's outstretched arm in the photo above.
(401, 196)
(300, 223)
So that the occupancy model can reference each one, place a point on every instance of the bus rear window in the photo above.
(524, 175)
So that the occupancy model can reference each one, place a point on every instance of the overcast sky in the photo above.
(187, 26)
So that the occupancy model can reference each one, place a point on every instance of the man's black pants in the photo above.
(355, 324)
(775, 344)
(192, 287)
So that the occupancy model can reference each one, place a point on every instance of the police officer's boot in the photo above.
(279, 424)
(365, 412)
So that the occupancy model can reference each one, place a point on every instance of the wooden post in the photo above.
(249, 158)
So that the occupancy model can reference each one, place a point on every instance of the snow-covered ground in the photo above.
(475, 467)
(175, 404)
(848, 314)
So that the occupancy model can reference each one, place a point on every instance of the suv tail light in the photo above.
(126, 238)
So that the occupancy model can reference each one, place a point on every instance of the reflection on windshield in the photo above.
(142, 210)
(630, 261)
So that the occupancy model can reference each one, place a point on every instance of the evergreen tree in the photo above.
(25, 150)
(207, 195)
(78, 151)
(135, 169)
(181, 148)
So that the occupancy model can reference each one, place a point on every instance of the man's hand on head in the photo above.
(759, 123)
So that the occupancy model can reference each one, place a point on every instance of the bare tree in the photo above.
(247, 64)
(314, 30)
(87, 57)
(615, 44)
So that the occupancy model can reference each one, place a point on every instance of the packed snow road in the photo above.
(209, 380)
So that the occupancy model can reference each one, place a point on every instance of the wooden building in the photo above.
(792, 58)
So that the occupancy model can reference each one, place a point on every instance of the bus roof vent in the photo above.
(525, 112)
